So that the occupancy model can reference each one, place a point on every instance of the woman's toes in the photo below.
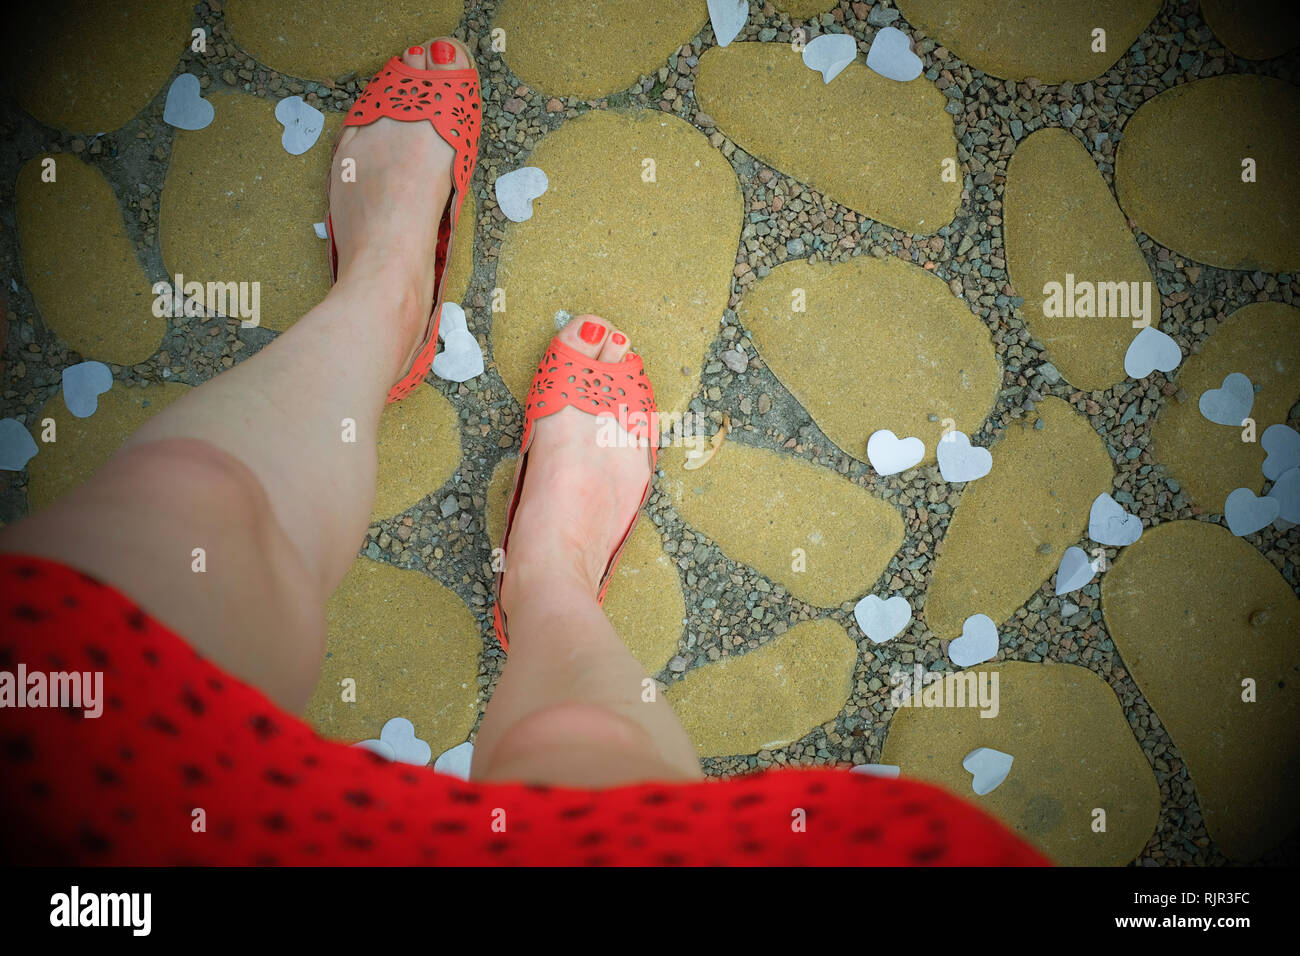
(447, 53)
(615, 347)
(414, 57)
(586, 333)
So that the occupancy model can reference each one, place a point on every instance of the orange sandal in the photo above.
(566, 378)
(451, 101)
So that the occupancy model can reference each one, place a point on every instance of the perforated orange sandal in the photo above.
(567, 378)
(452, 102)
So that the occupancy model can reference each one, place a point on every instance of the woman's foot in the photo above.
(578, 496)
(385, 218)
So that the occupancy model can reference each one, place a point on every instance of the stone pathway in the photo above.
(799, 271)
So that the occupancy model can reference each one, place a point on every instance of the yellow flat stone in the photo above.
(873, 144)
(79, 265)
(1061, 219)
(1074, 754)
(411, 647)
(326, 38)
(419, 449)
(589, 48)
(460, 267)
(768, 697)
(1178, 171)
(1039, 492)
(1048, 39)
(1262, 341)
(644, 602)
(237, 208)
(761, 507)
(81, 445)
(804, 8)
(881, 345)
(1195, 612)
(1254, 29)
(90, 66)
(654, 258)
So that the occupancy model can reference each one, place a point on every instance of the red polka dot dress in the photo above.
(188, 765)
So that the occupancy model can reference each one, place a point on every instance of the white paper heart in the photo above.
(517, 189)
(83, 383)
(882, 620)
(1073, 572)
(1229, 403)
(1286, 491)
(1109, 523)
(890, 55)
(302, 124)
(1247, 514)
(890, 454)
(988, 768)
(886, 770)
(185, 107)
(728, 17)
(17, 446)
(1151, 349)
(398, 735)
(959, 460)
(456, 761)
(830, 53)
(320, 230)
(1282, 444)
(978, 642)
(461, 358)
(378, 747)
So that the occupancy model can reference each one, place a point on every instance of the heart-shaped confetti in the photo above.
(399, 737)
(517, 189)
(959, 460)
(882, 620)
(891, 56)
(1229, 403)
(461, 358)
(185, 107)
(1282, 445)
(886, 770)
(890, 454)
(1151, 349)
(321, 233)
(988, 768)
(302, 124)
(456, 761)
(17, 446)
(1074, 571)
(830, 53)
(1286, 491)
(1110, 524)
(728, 17)
(978, 642)
(83, 384)
(378, 747)
(1247, 514)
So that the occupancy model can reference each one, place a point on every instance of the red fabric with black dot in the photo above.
(178, 735)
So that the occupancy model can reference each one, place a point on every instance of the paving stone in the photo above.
(760, 506)
(881, 344)
(1254, 29)
(1074, 754)
(1062, 219)
(1196, 612)
(316, 39)
(873, 144)
(1039, 492)
(90, 66)
(86, 280)
(82, 445)
(644, 602)
(1178, 171)
(804, 9)
(1047, 39)
(589, 49)
(654, 258)
(1262, 341)
(768, 697)
(236, 207)
(460, 267)
(412, 648)
(419, 449)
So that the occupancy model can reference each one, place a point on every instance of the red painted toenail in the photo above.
(618, 338)
(443, 52)
(415, 51)
(591, 332)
